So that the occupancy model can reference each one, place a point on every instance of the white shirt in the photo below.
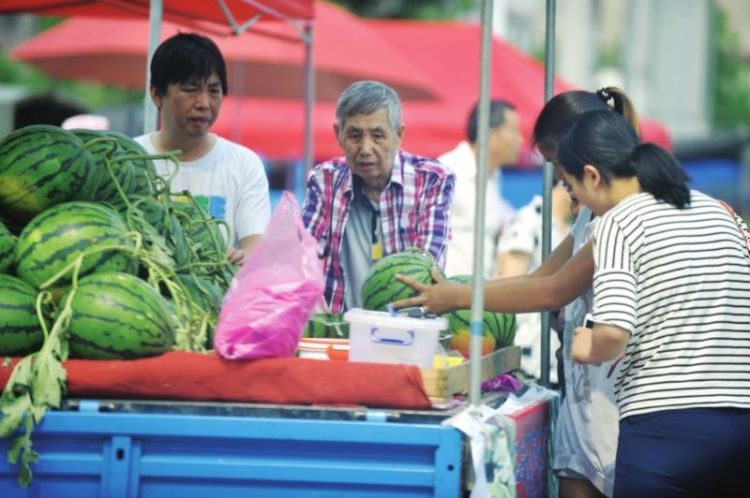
(460, 251)
(229, 182)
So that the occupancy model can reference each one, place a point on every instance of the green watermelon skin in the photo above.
(20, 330)
(118, 316)
(56, 237)
(502, 326)
(327, 326)
(134, 175)
(41, 166)
(381, 287)
(7, 247)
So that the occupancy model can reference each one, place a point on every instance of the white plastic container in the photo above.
(379, 337)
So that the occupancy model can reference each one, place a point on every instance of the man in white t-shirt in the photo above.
(188, 85)
(503, 144)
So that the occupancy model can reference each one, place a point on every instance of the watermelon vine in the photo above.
(176, 249)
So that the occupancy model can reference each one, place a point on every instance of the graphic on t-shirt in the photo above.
(214, 205)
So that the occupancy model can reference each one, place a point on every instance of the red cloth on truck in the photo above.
(207, 377)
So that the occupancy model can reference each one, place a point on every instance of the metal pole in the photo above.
(548, 180)
(150, 114)
(477, 294)
(309, 94)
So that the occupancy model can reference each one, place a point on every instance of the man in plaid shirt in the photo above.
(377, 199)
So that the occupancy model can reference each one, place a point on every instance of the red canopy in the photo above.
(448, 53)
(181, 11)
(345, 49)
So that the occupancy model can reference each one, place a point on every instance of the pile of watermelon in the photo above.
(85, 222)
(381, 288)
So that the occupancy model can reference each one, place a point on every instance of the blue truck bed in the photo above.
(123, 449)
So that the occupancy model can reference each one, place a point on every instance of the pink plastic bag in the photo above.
(274, 292)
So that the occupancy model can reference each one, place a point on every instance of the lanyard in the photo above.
(376, 251)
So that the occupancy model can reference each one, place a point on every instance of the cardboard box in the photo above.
(442, 383)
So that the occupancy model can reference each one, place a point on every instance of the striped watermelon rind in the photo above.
(381, 287)
(56, 237)
(118, 316)
(134, 176)
(41, 166)
(502, 326)
(327, 325)
(7, 247)
(20, 330)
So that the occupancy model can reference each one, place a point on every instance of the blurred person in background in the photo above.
(44, 108)
(520, 252)
(377, 199)
(188, 85)
(503, 145)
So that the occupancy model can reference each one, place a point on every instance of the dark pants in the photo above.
(701, 452)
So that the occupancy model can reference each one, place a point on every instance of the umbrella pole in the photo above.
(309, 94)
(548, 180)
(150, 114)
(477, 294)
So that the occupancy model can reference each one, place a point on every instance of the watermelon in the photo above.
(133, 176)
(56, 237)
(203, 292)
(200, 229)
(327, 325)
(7, 245)
(118, 316)
(381, 287)
(41, 166)
(20, 331)
(501, 326)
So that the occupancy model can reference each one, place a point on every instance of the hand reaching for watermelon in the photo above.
(445, 295)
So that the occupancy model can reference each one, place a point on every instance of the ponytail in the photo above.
(561, 111)
(618, 100)
(660, 174)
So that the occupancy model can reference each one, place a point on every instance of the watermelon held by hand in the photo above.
(499, 327)
(381, 286)
(118, 316)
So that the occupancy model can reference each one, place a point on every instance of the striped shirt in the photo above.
(414, 211)
(679, 282)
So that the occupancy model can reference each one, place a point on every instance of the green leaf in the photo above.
(13, 412)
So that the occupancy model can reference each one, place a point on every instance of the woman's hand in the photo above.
(437, 298)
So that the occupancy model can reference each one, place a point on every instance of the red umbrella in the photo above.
(448, 53)
(228, 13)
(345, 50)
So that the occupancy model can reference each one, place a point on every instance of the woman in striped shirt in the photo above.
(672, 296)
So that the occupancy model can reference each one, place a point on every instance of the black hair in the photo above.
(46, 108)
(604, 140)
(186, 57)
(497, 117)
(562, 109)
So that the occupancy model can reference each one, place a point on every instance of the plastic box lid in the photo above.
(379, 337)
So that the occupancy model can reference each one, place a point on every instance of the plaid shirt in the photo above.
(414, 210)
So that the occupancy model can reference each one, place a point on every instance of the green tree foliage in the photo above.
(731, 89)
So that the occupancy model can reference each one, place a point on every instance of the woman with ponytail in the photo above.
(672, 301)
(586, 431)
